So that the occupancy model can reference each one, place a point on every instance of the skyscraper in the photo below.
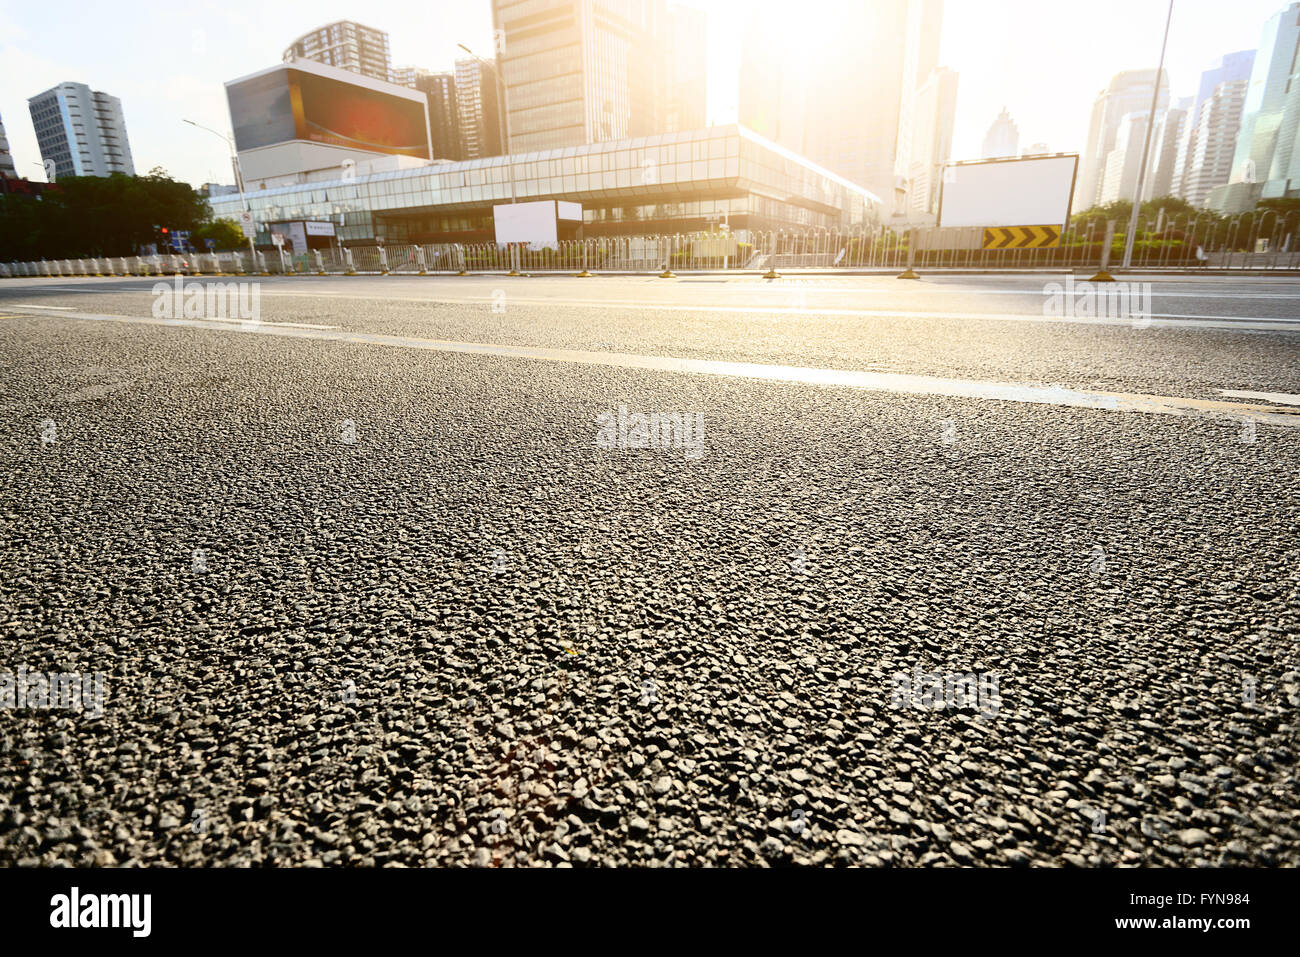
(1166, 138)
(1002, 138)
(685, 41)
(478, 116)
(1127, 92)
(771, 100)
(347, 45)
(1266, 162)
(6, 158)
(444, 113)
(844, 98)
(580, 71)
(82, 130)
(935, 112)
(1228, 68)
(1124, 161)
(1213, 142)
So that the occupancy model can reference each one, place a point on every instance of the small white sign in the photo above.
(247, 225)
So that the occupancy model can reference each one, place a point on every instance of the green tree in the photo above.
(82, 216)
(226, 232)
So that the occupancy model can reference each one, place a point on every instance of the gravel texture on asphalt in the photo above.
(367, 606)
(1118, 358)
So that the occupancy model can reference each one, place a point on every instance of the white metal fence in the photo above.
(1252, 241)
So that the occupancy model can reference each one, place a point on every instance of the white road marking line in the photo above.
(237, 322)
(871, 381)
(32, 305)
(1212, 322)
(1282, 398)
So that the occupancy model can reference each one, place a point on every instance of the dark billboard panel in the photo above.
(328, 111)
(261, 111)
(291, 104)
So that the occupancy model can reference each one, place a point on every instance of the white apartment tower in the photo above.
(81, 130)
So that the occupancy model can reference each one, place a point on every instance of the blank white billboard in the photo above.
(1011, 192)
(532, 223)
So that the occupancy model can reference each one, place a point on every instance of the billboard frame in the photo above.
(1069, 203)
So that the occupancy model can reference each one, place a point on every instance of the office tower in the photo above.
(772, 100)
(1035, 149)
(444, 113)
(82, 130)
(1266, 162)
(1128, 92)
(1165, 141)
(6, 158)
(580, 71)
(1213, 142)
(846, 98)
(478, 113)
(347, 45)
(1228, 68)
(1124, 161)
(685, 42)
(922, 27)
(1002, 138)
(935, 112)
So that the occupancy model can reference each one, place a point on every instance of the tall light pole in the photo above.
(503, 118)
(503, 127)
(1146, 145)
(239, 176)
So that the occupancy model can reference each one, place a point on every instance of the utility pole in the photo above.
(504, 127)
(1146, 146)
(239, 179)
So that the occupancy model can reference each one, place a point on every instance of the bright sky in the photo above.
(1044, 61)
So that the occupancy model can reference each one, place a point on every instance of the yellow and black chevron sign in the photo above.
(1022, 237)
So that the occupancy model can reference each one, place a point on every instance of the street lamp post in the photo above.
(239, 179)
(503, 130)
(1146, 145)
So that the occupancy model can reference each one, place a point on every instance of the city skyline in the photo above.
(238, 38)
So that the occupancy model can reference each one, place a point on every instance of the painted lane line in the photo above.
(1281, 398)
(871, 381)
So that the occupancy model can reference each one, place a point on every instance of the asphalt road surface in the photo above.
(402, 571)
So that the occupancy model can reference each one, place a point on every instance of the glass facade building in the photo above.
(667, 183)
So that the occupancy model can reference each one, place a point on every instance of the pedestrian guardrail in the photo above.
(1263, 240)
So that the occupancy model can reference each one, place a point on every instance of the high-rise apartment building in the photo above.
(6, 158)
(478, 100)
(81, 130)
(444, 113)
(580, 71)
(347, 45)
(1002, 138)
(1128, 92)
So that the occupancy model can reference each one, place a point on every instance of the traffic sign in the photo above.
(247, 225)
(1022, 237)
